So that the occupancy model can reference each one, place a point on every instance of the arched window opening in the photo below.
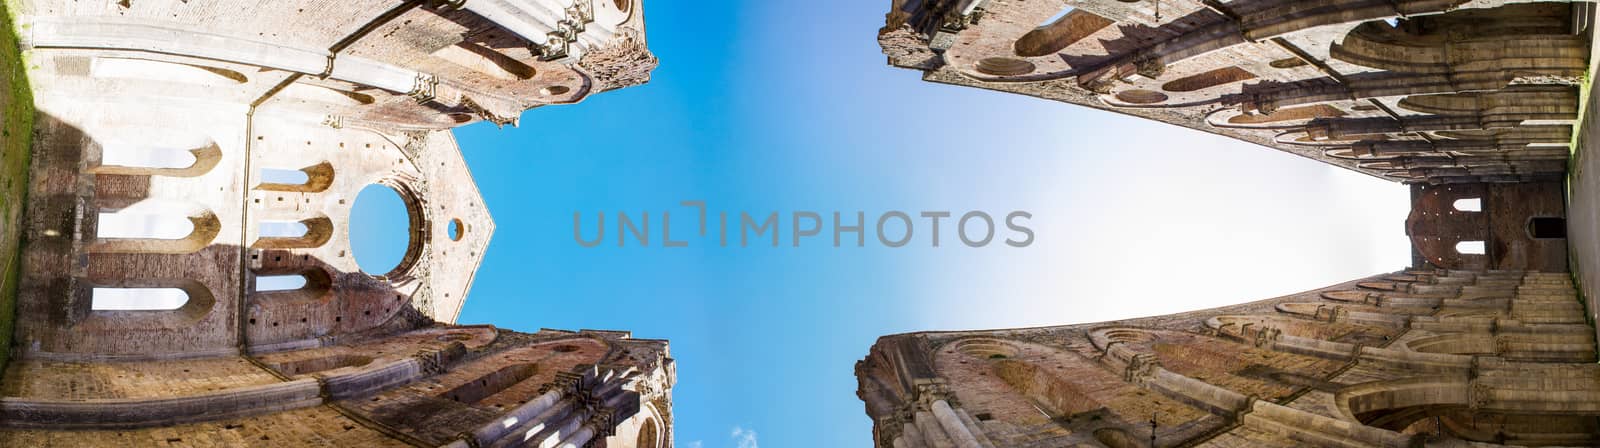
(301, 234)
(647, 434)
(490, 384)
(1058, 16)
(485, 60)
(145, 152)
(1288, 114)
(138, 299)
(1470, 248)
(283, 229)
(1469, 205)
(143, 225)
(1545, 227)
(265, 283)
(129, 155)
(283, 176)
(311, 179)
(326, 95)
(1213, 78)
(1059, 32)
(319, 364)
(145, 69)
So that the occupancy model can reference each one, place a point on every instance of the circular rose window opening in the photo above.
(380, 230)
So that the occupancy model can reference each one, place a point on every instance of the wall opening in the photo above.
(380, 229)
(456, 229)
(647, 434)
(1468, 205)
(117, 154)
(311, 179)
(1547, 227)
(326, 95)
(153, 226)
(490, 384)
(148, 152)
(143, 225)
(1288, 114)
(1001, 66)
(1058, 16)
(302, 234)
(283, 229)
(1141, 96)
(138, 299)
(1288, 63)
(265, 283)
(1059, 32)
(283, 176)
(312, 365)
(1470, 248)
(1213, 78)
(146, 69)
(485, 60)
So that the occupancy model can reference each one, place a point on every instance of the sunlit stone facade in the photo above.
(189, 151)
(1483, 341)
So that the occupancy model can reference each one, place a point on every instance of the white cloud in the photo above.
(694, 444)
(744, 438)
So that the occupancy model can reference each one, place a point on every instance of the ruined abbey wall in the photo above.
(1482, 342)
(192, 114)
(1496, 357)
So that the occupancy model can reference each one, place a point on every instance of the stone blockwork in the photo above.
(1425, 91)
(1483, 342)
(1436, 357)
(196, 156)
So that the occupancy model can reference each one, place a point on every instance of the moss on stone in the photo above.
(16, 138)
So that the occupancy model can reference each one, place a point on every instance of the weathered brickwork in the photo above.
(197, 154)
(1482, 342)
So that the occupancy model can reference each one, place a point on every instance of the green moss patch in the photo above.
(16, 140)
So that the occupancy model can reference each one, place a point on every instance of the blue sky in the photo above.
(786, 106)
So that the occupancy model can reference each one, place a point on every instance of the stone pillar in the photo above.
(518, 418)
(911, 436)
(1216, 400)
(537, 425)
(578, 439)
(959, 435)
(977, 431)
(562, 431)
(512, 18)
(934, 435)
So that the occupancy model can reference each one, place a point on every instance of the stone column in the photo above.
(563, 431)
(959, 435)
(537, 425)
(578, 439)
(912, 436)
(517, 418)
(977, 431)
(935, 436)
